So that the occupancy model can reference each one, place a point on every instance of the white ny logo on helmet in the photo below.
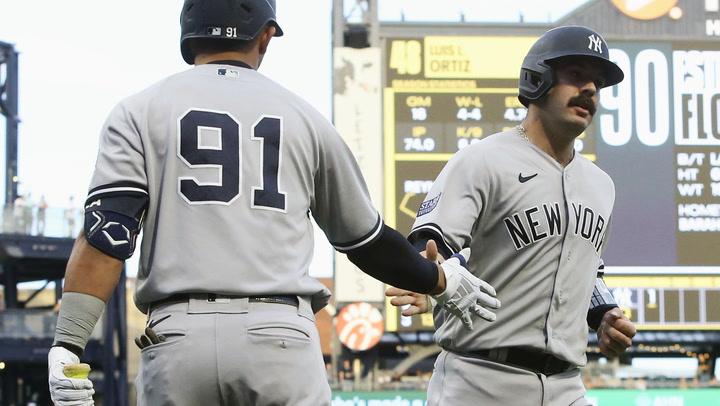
(595, 43)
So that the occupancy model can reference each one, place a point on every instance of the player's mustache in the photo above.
(585, 102)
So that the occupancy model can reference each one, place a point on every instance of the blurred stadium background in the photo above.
(408, 92)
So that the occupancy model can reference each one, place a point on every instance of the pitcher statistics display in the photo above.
(535, 215)
(222, 168)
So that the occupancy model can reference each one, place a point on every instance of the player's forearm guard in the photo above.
(602, 301)
(79, 312)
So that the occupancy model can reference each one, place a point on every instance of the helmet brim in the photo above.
(278, 31)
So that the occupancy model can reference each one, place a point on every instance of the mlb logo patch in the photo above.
(428, 205)
(228, 72)
(215, 31)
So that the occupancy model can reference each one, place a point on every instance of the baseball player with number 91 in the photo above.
(535, 214)
(222, 169)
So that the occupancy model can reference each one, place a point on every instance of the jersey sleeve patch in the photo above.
(428, 205)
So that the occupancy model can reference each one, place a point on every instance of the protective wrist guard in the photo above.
(79, 312)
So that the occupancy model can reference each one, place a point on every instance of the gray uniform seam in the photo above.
(543, 387)
(483, 203)
(217, 358)
(562, 246)
(442, 387)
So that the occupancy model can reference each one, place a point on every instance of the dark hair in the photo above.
(215, 45)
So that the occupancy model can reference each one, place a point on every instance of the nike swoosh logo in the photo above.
(524, 179)
(155, 323)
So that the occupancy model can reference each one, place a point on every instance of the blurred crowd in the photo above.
(36, 217)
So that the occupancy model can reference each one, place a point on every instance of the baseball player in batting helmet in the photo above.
(221, 168)
(535, 215)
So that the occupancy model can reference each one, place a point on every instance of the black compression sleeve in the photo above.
(419, 239)
(595, 315)
(420, 244)
(391, 259)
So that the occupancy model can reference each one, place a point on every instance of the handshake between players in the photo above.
(465, 294)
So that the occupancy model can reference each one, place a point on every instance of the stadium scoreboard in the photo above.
(443, 96)
(657, 134)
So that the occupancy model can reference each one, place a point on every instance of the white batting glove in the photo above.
(465, 293)
(66, 391)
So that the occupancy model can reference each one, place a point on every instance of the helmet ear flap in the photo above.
(528, 85)
(535, 83)
(535, 79)
(532, 80)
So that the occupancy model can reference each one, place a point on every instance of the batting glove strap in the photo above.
(66, 391)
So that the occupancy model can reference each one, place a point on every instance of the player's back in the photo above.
(230, 160)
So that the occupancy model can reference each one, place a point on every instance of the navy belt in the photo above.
(525, 358)
(289, 300)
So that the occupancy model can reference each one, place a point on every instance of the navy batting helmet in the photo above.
(224, 19)
(536, 74)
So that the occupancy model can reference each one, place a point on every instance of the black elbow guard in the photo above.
(113, 222)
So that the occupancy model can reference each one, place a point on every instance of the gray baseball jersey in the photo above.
(233, 165)
(535, 229)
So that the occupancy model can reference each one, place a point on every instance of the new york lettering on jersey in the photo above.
(539, 222)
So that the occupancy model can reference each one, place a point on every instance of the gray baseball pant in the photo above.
(233, 352)
(462, 381)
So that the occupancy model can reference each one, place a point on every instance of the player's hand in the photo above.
(149, 338)
(419, 302)
(466, 294)
(615, 333)
(66, 391)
